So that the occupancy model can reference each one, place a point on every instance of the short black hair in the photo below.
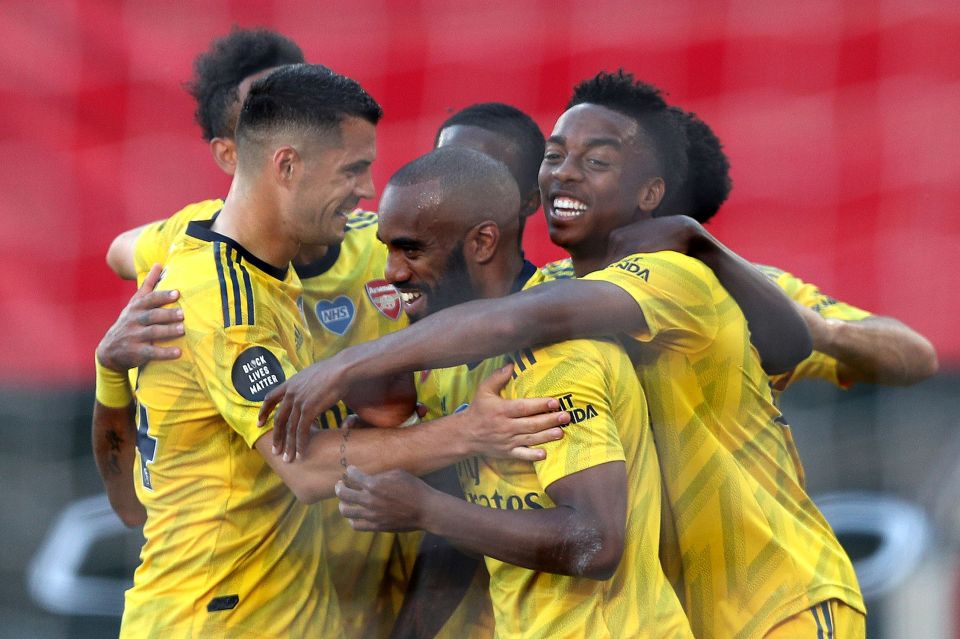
(304, 96)
(476, 184)
(708, 180)
(620, 92)
(513, 124)
(230, 59)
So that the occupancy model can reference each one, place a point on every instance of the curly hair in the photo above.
(642, 102)
(218, 72)
(708, 180)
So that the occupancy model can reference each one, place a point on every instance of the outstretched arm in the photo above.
(777, 330)
(491, 426)
(877, 350)
(551, 312)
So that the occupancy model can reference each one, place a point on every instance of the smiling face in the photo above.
(334, 175)
(425, 249)
(596, 174)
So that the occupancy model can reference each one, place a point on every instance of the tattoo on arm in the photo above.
(344, 436)
(114, 440)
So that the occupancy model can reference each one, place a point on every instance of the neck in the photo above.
(310, 253)
(498, 276)
(588, 258)
(253, 219)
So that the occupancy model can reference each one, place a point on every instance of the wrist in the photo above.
(113, 387)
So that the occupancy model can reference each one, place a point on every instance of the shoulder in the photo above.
(359, 219)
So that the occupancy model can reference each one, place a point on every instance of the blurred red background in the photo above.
(840, 120)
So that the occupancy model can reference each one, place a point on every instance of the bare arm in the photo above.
(876, 350)
(441, 575)
(120, 254)
(492, 426)
(114, 440)
(777, 330)
(583, 536)
(551, 312)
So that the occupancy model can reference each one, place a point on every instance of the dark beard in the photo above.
(454, 286)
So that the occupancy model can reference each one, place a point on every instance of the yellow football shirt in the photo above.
(743, 543)
(595, 381)
(346, 301)
(229, 550)
(818, 365)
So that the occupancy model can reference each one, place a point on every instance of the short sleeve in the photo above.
(237, 367)
(155, 240)
(677, 295)
(578, 379)
(818, 365)
(812, 297)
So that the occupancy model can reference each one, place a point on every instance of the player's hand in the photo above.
(130, 341)
(507, 428)
(391, 502)
(298, 402)
(670, 233)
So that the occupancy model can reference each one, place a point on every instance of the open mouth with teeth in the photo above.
(409, 297)
(567, 208)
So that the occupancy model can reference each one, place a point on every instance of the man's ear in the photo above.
(482, 242)
(224, 152)
(651, 194)
(530, 204)
(286, 165)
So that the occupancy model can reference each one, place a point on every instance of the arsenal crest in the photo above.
(385, 297)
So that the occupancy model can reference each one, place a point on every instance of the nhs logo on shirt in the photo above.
(336, 315)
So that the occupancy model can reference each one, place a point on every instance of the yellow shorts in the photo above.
(831, 619)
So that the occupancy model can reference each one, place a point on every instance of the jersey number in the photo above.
(147, 446)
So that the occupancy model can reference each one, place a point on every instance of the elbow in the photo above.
(789, 352)
(132, 519)
(599, 557)
(927, 362)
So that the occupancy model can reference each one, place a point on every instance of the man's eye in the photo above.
(596, 162)
(551, 156)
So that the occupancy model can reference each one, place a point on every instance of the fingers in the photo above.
(526, 407)
(528, 454)
(291, 423)
(269, 403)
(162, 332)
(497, 380)
(537, 438)
(304, 424)
(151, 280)
(150, 309)
(154, 353)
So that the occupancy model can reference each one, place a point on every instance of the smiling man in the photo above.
(570, 542)
(744, 544)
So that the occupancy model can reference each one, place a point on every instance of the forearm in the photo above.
(418, 450)
(777, 330)
(114, 440)
(556, 540)
(878, 350)
(476, 330)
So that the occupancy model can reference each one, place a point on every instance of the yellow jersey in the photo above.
(346, 301)
(742, 542)
(595, 381)
(818, 365)
(229, 550)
